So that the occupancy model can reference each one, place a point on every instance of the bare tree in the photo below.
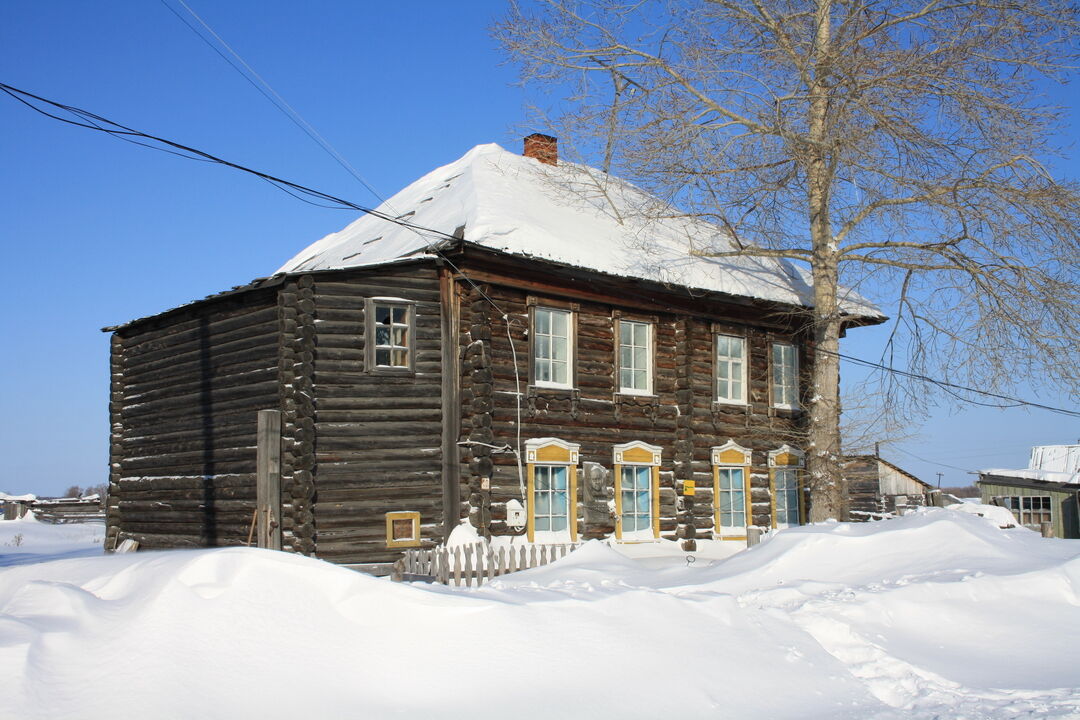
(897, 148)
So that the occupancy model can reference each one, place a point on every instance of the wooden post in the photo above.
(268, 479)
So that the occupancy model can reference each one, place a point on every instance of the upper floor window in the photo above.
(785, 376)
(635, 357)
(389, 334)
(552, 347)
(730, 369)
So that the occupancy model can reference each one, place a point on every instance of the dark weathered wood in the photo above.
(268, 479)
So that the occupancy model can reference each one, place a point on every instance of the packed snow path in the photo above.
(938, 614)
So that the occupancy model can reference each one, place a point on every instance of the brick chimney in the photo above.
(544, 148)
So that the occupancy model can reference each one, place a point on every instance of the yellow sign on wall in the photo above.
(688, 487)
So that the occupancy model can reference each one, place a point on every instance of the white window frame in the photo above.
(371, 331)
(648, 347)
(540, 470)
(785, 393)
(728, 361)
(535, 358)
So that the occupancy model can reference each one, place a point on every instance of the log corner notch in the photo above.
(268, 479)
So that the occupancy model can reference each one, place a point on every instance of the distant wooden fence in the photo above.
(68, 510)
(476, 564)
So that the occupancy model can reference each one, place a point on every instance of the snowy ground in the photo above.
(934, 615)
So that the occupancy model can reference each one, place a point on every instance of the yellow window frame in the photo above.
(787, 458)
(414, 541)
(551, 451)
(638, 454)
(730, 455)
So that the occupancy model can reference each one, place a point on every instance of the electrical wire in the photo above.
(270, 94)
(948, 386)
(934, 462)
(99, 123)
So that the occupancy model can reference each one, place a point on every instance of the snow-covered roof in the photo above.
(1048, 463)
(1058, 458)
(566, 213)
(1034, 474)
(4, 497)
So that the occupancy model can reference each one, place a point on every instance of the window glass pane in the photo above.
(382, 336)
(399, 336)
(558, 523)
(400, 358)
(641, 358)
(625, 377)
(382, 357)
(543, 321)
(558, 372)
(382, 314)
(558, 503)
(558, 478)
(399, 314)
(559, 323)
(558, 348)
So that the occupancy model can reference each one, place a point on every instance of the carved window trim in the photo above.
(634, 455)
(783, 460)
(729, 457)
(551, 453)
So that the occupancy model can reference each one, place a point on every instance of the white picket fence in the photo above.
(476, 564)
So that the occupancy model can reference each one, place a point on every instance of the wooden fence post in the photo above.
(268, 479)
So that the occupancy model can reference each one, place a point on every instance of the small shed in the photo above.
(1045, 496)
(877, 488)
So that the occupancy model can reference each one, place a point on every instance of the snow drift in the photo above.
(930, 615)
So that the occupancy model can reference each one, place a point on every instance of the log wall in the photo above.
(681, 416)
(377, 435)
(185, 390)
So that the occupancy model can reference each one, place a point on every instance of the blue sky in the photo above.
(95, 231)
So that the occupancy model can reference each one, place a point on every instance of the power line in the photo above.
(270, 94)
(123, 132)
(101, 124)
(948, 386)
(933, 462)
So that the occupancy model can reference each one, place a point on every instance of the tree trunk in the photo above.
(823, 457)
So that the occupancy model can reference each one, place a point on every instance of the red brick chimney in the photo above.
(544, 148)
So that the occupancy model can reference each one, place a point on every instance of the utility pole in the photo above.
(939, 480)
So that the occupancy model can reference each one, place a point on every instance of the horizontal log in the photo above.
(262, 309)
(262, 335)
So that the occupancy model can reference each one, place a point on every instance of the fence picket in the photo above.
(480, 562)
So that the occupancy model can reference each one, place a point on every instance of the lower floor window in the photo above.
(636, 489)
(786, 496)
(732, 499)
(551, 500)
(1030, 510)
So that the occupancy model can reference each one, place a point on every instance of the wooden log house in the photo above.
(511, 354)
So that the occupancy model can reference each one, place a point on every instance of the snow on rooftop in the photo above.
(569, 214)
(1049, 463)
(1030, 474)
